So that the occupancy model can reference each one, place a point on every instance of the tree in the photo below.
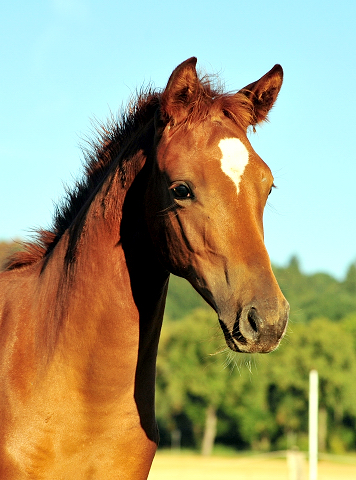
(259, 401)
(316, 295)
(322, 345)
(350, 280)
(182, 299)
(191, 376)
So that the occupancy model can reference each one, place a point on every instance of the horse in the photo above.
(171, 186)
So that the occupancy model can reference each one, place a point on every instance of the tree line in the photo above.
(260, 402)
(207, 394)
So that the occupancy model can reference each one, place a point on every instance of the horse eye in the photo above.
(181, 191)
(273, 186)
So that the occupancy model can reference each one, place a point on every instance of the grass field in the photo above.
(185, 466)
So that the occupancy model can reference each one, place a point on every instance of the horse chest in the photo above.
(71, 441)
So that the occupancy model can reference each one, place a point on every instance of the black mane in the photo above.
(99, 154)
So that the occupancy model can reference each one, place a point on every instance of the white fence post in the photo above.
(313, 424)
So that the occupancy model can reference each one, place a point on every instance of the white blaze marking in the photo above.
(234, 159)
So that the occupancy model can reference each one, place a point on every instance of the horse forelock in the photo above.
(211, 98)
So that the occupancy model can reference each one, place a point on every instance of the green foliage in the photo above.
(262, 401)
(265, 401)
(182, 299)
(187, 347)
(350, 280)
(316, 295)
(327, 347)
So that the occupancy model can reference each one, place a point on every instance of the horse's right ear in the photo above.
(181, 91)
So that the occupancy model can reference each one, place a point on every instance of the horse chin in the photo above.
(240, 347)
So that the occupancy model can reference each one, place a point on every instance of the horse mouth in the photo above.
(255, 339)
(230, 341)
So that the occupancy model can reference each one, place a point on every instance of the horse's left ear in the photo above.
(181, 91)
(263, 93)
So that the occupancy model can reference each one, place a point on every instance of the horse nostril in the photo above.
(247, 328)
(253, 319)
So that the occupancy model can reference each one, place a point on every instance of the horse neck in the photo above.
(113, 292)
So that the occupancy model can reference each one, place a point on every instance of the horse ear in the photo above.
(180, 92)
(263, 93)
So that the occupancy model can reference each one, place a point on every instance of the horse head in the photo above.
(207, 195)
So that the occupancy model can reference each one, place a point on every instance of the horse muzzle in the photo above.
(256, 331)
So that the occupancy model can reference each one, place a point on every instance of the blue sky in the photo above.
(64, 62)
